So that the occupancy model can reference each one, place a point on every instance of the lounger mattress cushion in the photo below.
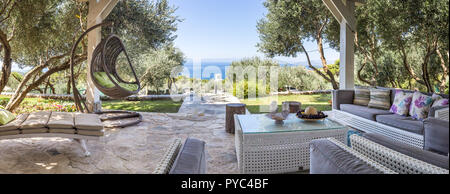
(61, 120)
(65, 131)
(364, 111)
(36, 120)
(88, 122)
(31, 131)
(14, 124)
(13, 132)
(91, 132)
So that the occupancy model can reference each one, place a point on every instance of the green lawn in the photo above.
(37, 104)
(165, 106)
(320, 101)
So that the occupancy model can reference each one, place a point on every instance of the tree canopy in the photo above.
(290, 23)
(397, 44)
(41, 33)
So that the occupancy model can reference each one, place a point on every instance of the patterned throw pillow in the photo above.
(420, 106)
(362, 96)
(380, 99)
(439, 100)
(402, 102)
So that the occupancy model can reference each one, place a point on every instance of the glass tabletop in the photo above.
(259, 123)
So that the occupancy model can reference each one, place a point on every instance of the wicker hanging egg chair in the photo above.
(105, 77)
(103, 68)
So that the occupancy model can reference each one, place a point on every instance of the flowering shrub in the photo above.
(45, 105)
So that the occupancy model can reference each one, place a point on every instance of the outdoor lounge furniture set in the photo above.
(429, 131)
(392, 139)
(79, 126)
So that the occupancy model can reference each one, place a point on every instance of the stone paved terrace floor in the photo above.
(135, 149)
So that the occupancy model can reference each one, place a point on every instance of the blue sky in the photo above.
(226, 29)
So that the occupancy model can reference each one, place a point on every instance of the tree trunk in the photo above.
(69, 84)
(360, 70)
(19, 95)
(443, 80)
(333, 81)
(317, 70)
(7, 61)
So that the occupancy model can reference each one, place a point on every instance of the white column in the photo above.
(346, 66)
(94, 37)
(98, 10)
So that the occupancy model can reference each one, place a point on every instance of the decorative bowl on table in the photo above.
(311, 114)
(279, 117)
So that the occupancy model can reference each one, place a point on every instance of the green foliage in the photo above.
(44, 28)
(155, 66)
(143, 24)
(289, 23)
(405, 46)
(298, 77)
(250, 66)
(301, 79)
(334, 68)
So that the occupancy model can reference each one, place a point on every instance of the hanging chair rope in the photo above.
(104, 59)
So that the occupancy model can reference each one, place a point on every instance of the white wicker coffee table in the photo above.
(265, 147)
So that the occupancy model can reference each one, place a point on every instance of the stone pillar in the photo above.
(294, 106)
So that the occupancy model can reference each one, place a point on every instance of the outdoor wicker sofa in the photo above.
(373, 154)
(78, 126)
(430, 134)
(187, 158)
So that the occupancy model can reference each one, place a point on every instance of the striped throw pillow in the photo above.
(380, 99)
(362, 96)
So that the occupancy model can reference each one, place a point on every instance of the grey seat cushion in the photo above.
(364, 111)
(191, 159)
(90, 132)
(420, 154)
(85, 121)
(401, 122)
(65, 131)
(436, 135)
(328, 158)
(31, 131)
(13, 125)
(12, 132)
(61, 120)
(36, 120)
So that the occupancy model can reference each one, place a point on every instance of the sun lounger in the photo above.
(78, 126)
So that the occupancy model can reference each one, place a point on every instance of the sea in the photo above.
(210, 68)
